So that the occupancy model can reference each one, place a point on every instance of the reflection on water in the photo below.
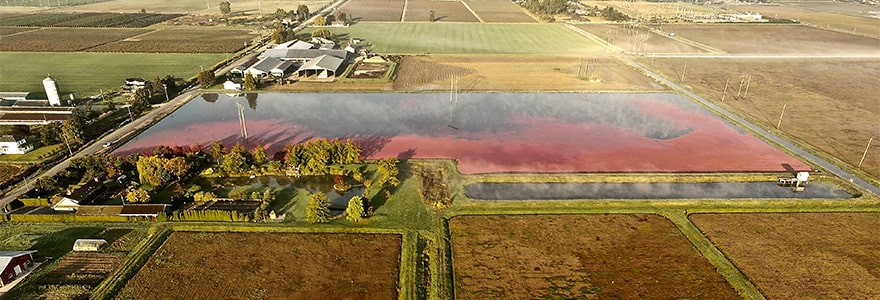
(484, 132)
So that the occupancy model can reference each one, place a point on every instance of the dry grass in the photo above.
(828, 106)
(801, 256)
(579, 256)
(270, 266)
(516, 73)
(776, 39)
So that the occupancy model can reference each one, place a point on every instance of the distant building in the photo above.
(13, 263)
(270, 66)
(51, 88)
(324, 66)
(10, 144)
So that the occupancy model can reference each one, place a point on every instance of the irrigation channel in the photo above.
(645, 191)
(483, 132)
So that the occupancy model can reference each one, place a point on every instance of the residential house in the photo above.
(10, 144)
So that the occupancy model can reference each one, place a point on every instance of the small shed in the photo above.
(90, 245)
(13, 263)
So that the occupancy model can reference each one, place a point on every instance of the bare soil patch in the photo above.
(444, 11)
(801, 255)
(182, 41)
(630, 39)
(65, 39)
(776, 39)
(270, 266)
(585, 256)
(500, 11)
(828, 106)
(374, 10)
(517, 73)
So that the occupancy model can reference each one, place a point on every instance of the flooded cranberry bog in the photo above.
(484, 132)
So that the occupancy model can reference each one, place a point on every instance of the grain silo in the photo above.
(52, 91)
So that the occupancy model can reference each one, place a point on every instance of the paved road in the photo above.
(766, 134)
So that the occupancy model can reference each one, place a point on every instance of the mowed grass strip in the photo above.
(87, 73)
(579, 257)
(270, 266)
(801, 255)
(469, 38)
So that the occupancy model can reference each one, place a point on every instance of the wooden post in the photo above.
(865, 153)
(780, 115)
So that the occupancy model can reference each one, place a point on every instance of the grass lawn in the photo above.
(86, 74)
(468, 38)
(36, 155)
(52, 240)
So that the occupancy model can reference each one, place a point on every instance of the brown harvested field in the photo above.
(516, 73)
(625, 39)
(502, 11)
(65, 39)
(776, 39)
(578, 257)
(182, 41)
(828, 103)
(823, 19)
(270, 266)
(444, 11)
(801, 255)
(374, 10)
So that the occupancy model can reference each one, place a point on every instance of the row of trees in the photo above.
(314, 156)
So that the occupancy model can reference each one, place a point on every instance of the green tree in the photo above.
(178, 166)
(355, 210)
(322, 33)
(280, 14)
(217, 151)
(260, 156)
(318, 210)
(234, 162)
(302, 12)
(250, 83)
(206, 78)
(137, 196)
(320, 21)
(151, 169)
(225, 8)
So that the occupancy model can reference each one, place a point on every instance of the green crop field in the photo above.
(468, 38)
(86, 74)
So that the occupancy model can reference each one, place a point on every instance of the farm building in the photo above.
(13, 263)
(324, 66)
(10, 144)
(269, 66)
(91, 245)
(295, 44)
(303, 55)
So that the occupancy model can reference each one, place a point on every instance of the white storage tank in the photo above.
(52, 91)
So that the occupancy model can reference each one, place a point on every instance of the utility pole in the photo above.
(723, 94)
(683, 71)
(865, 154)
(780, 115)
